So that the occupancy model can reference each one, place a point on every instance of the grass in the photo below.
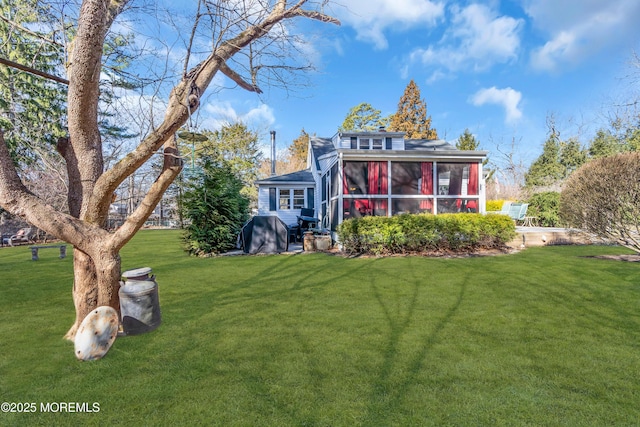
(548, 336)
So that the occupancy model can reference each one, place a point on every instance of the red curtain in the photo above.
(373, 174)
(472, 187)
(384, 186)
(378, 177)
(345, 185)
(384, 177)
(426, 169)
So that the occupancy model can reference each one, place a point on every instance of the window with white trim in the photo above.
(298, 198)
(284, 199)
(291, 198)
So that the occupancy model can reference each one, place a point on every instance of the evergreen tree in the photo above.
(236, 146)
(411, 116)
(32, 108)
(298, 150)
(604, 144)
(363, 117)
(215, 207)
(546, 170)
(633, 138)
(467, 141)
(558, 160)
(627, 133)
(572, 156)
(621, 137)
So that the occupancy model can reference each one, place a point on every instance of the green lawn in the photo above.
(545, 337)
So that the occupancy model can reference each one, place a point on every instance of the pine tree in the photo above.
(411, 116)
(546, 170)
(572, 156)
(237, 146)
(298, 149)
(604, 144)
(559, 159)
(363, 117)
(215, 207)
(32, 108)
(467, 141)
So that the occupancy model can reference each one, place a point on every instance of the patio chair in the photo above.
(24, 235)
(518, 211)
(307, 219)
(506, 207)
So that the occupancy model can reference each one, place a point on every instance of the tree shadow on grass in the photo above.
(257, 376)
(388, 392)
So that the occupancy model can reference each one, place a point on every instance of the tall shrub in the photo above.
(603, 197)
(545, 207)
(215, 209)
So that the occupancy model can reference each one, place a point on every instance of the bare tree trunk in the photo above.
(86, 275)
(96, 251)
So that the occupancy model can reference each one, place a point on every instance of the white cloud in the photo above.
(508, 98)
(214, 116)
(371, 18)
(477, 39)
(578, 29)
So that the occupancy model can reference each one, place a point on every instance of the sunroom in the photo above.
(413, 176)
(378, 173)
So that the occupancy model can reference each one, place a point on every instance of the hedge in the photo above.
(418, 233)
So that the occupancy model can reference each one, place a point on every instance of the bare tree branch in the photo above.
(224, 69)
(172, 166)
(18, 200)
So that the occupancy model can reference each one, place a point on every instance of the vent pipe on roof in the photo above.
(273, 153)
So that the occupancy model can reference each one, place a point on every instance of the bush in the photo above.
(216, 210)
(546, 207)
(603, 197)
(494, 205)
(411, 233)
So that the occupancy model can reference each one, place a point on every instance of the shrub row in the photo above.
(411, 233)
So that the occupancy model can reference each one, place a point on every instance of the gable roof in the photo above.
(299, 177)
(320, 147)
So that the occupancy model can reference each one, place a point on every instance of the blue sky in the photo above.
(498, 68)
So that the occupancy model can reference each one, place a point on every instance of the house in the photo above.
(380, 173)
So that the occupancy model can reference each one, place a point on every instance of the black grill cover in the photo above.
(265, 235)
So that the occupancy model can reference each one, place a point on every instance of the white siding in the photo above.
(288, 216)
(397, 143)
(326, 163)
(263, 202)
